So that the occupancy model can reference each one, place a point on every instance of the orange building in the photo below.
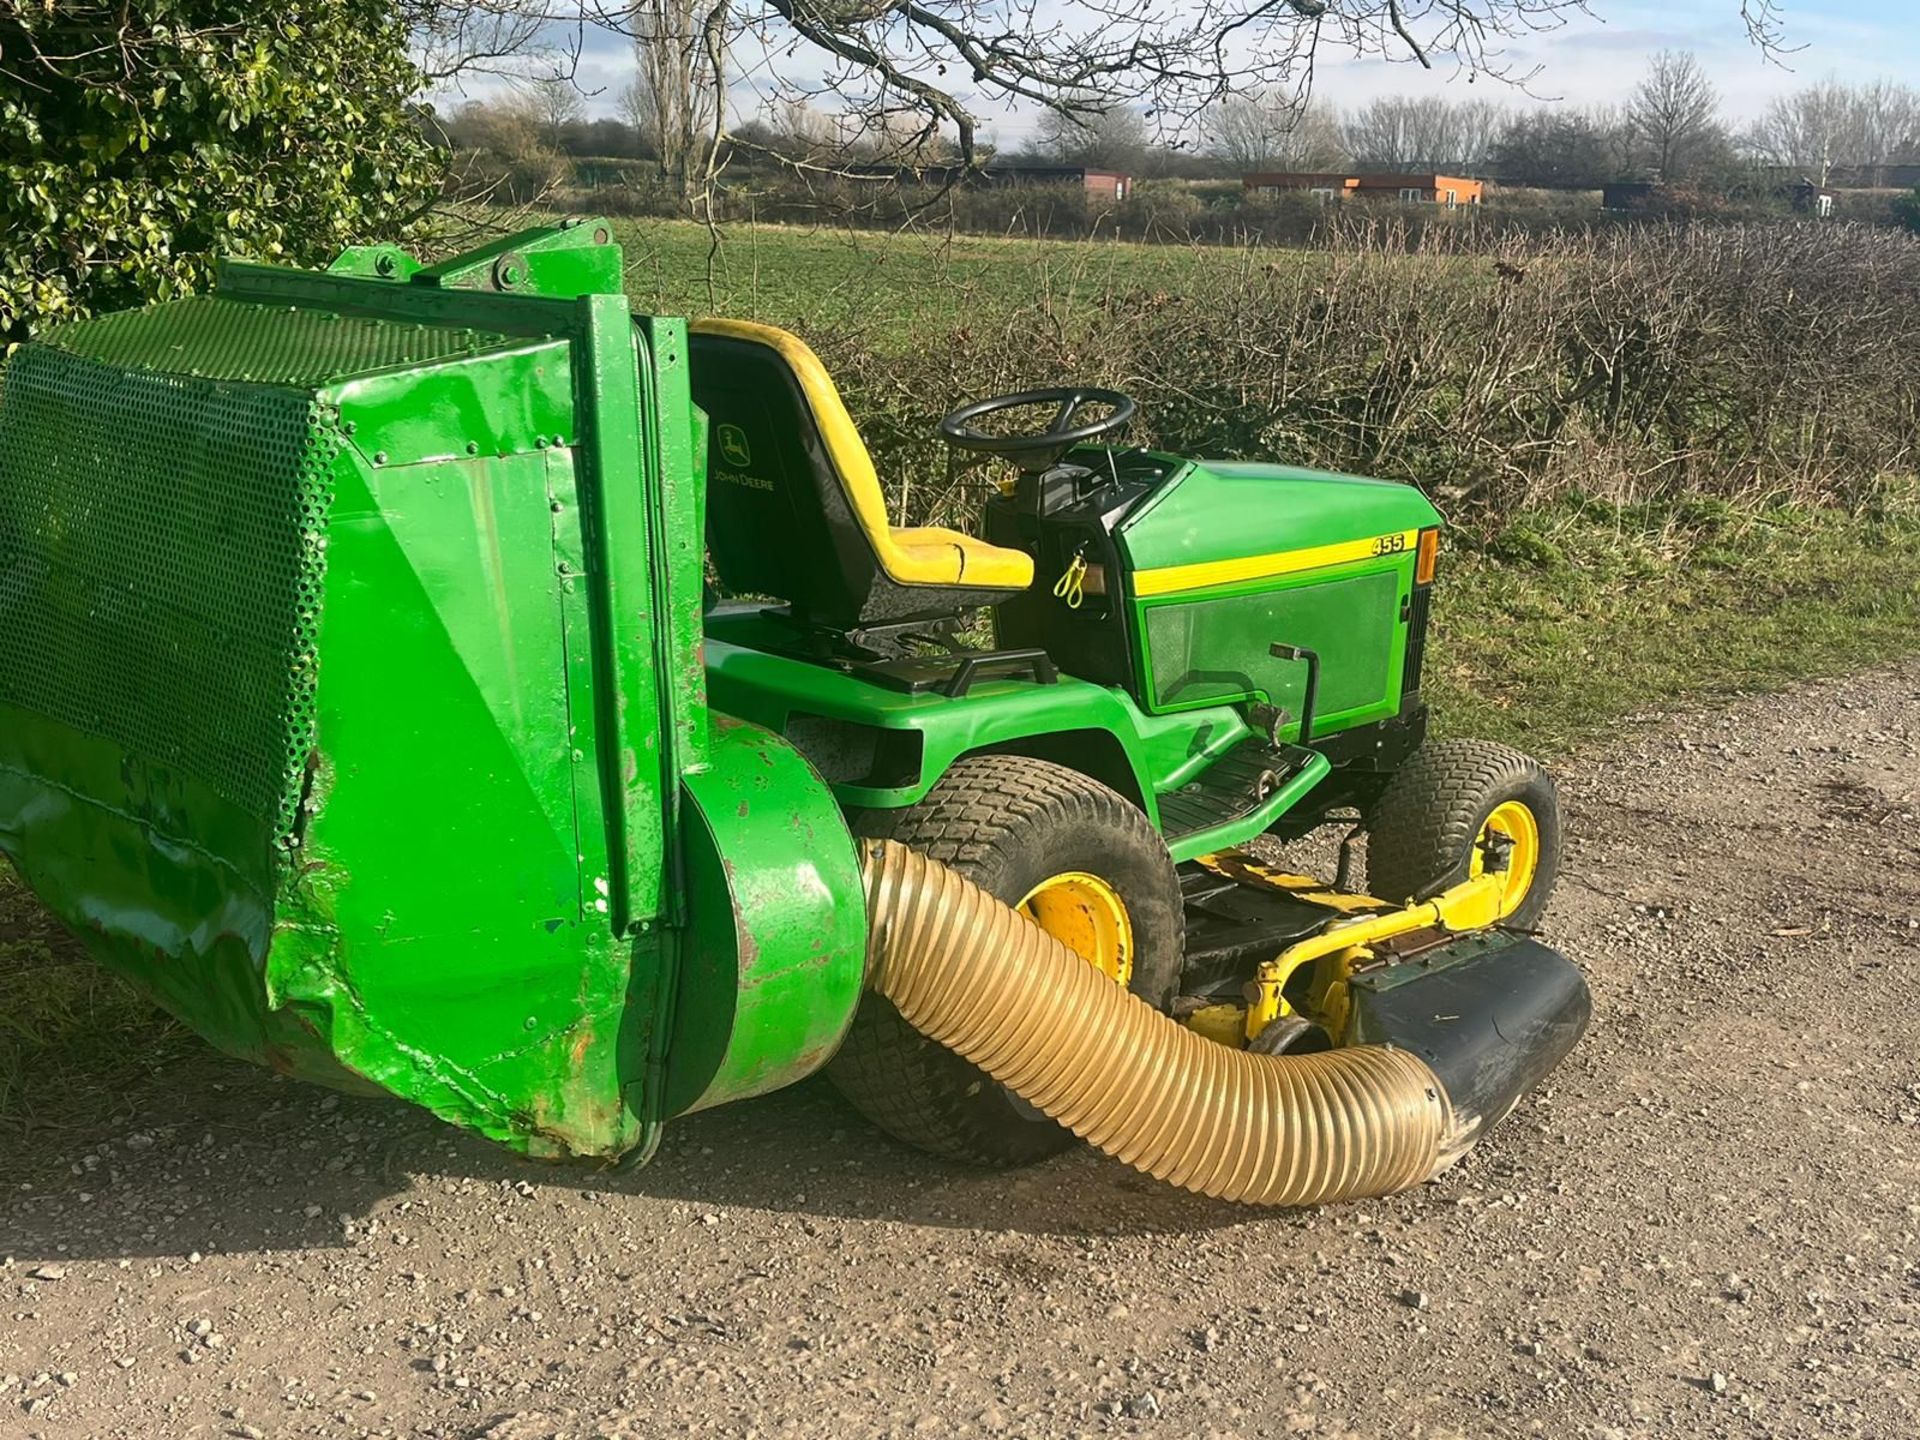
(1448, 190)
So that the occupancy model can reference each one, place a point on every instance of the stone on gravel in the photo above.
(1144, 1407)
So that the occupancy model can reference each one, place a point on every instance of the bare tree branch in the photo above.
(954, 62)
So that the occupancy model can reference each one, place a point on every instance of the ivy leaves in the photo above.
(135, 150)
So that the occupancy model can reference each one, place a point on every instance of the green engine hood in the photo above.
(1229, 511)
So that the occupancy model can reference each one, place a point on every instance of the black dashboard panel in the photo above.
(1065, 516)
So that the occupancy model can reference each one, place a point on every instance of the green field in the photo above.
(882, 280)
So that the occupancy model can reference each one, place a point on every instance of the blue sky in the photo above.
(1595, 59)
(1588, 61)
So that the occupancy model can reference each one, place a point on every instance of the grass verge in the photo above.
(1575, 619)
(1565, 625)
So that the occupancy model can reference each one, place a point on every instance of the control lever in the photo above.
(1312, 661)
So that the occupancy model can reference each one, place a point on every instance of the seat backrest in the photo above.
(783, 519)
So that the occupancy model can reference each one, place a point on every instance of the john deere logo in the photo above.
(734, 448)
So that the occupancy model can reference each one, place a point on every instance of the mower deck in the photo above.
(1490, 1009)
(1241, 913)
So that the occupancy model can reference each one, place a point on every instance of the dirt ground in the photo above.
(1705, 1226)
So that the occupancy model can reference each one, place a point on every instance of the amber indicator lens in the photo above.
(1428, 558)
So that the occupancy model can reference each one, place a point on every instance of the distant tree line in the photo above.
(1670, 128)
(138, 141)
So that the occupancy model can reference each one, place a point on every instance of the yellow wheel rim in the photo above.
(1087, 915)
(1514, 826)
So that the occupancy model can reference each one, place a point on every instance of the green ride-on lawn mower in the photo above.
(367, 696)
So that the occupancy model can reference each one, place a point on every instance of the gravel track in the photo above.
(1705, 1226)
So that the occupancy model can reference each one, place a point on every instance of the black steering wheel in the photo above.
(1042, 449)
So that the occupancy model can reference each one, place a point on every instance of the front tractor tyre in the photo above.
(1458, 809)
(1075, 857)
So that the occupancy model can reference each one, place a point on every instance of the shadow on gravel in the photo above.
(211, 1155)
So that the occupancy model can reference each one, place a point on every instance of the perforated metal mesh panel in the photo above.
(217, 339)
(162, 542)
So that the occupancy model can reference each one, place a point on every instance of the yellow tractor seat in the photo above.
(794, 505)
(930, 555)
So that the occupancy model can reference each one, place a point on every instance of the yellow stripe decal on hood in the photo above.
(1171, 578)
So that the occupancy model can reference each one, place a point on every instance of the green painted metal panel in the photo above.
(426, 306)
(1161, 752)
(375, 262)
(1206, 644)
(432, 927)
(164, 880)
(680, 502)
(619, 519)
(1216, 647)
(360, 716)
(777, 945)
(768, 689)
(575, 257)
(515, 399)
(594, 836)
(382, 884)
(442, 597)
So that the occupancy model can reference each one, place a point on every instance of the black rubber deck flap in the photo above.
(1491, 1014)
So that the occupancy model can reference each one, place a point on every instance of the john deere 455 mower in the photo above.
(368, 695)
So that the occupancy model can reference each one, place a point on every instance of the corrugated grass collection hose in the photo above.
(972, 974)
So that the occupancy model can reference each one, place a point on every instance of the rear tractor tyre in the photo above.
(1078, 859)
(1457, 809)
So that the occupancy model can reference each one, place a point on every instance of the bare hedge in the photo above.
(1754, 364)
